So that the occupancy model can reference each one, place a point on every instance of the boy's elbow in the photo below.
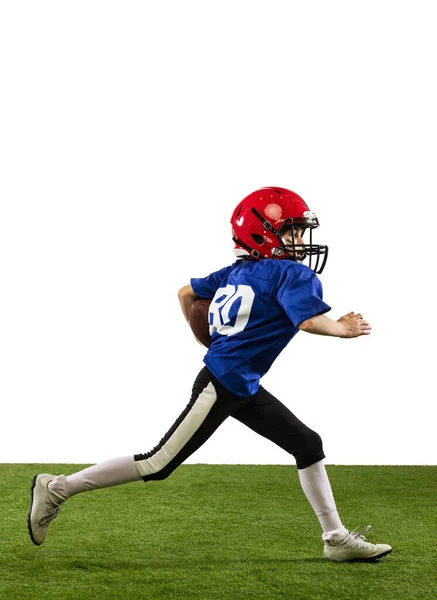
(186, 291)
(183, 291)
(306, 325)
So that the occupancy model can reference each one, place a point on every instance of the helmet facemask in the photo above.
(317, 255)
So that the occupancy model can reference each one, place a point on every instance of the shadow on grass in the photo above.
(206, 564)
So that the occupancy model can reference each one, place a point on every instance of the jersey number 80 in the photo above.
(230, 308)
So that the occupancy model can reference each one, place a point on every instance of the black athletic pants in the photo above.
(209, 406)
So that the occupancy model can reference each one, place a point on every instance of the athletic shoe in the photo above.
(44, 505)
(353, 546)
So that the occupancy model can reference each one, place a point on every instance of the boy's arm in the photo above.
(187, 296)
(349, 326)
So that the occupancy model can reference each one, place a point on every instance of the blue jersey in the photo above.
(255, 311)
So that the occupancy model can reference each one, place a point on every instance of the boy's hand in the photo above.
(354, 325)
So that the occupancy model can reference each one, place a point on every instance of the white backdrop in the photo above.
(129, 132)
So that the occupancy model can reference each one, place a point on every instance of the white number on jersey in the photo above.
(221, 305)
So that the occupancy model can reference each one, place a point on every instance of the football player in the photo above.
(258, 304)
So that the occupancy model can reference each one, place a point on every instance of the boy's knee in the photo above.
(310, 451)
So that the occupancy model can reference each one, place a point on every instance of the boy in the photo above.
(258, 305)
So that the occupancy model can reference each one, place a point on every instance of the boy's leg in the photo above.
(102, 475)
(266, 415)
(209, 406)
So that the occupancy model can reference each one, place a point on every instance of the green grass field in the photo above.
(220, 532)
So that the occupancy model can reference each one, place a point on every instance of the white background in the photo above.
(129, 132)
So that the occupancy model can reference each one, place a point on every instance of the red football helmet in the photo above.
(259, 221)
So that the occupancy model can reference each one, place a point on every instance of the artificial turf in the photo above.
(220, 532)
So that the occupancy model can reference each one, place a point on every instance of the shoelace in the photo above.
(357, 539)
(359, 534)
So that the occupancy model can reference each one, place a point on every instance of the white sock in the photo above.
(315, 484)
(105, 474)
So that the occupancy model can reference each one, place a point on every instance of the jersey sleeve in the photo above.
(301, 295)
(206, 287)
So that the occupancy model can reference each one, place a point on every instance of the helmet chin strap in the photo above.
(312, 250)
(279, 250)
(252, 252)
